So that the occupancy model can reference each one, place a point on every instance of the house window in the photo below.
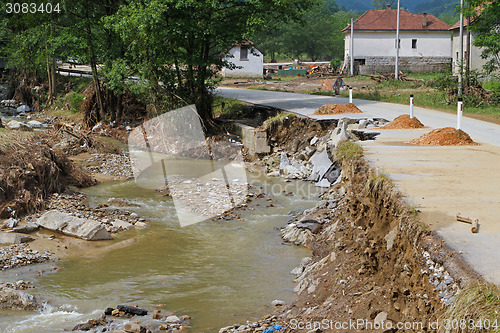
(361, 62)
(399, 44)
(243, 53)
(413, 43)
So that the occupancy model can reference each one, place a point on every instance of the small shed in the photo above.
(247, 58)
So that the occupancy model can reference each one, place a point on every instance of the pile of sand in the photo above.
(404, 122)
(447, 136)
(332, 109)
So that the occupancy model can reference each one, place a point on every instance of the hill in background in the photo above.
(444, 9)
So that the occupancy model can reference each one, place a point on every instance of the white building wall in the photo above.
(476, 62)
(251, 68)
(383, 44)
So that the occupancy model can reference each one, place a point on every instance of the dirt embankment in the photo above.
(374, 267)
(30, 170)
(373, 262)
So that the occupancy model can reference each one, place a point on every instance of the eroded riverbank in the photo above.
(371, 259)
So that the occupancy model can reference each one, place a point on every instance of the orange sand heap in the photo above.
(403, 122)
(447, 136)
(332, 109)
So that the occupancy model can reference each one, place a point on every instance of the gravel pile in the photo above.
(116, 165)
(18, 255)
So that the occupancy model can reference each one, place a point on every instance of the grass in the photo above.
(279, 118)
(478, 304)
(10, 138)
(425, 95)
(348, 151)
(376, 181)
(228, 108)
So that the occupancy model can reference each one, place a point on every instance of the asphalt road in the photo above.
(439, 181)
(480, 131)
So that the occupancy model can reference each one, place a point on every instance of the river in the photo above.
(218, 272)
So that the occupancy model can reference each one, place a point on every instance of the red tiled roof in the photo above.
(457, 25)
(386, 19)
(478, 11)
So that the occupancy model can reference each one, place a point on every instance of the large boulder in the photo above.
(73, 226)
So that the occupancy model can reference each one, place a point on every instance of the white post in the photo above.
(461, 52)
(411, 106)
(350, 95)
(459, 113)
(396, 67)
(351, 50)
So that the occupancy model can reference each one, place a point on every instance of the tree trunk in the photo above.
(119, 111)
(111, 99)
(53, 77)
(1, 124)
(49, 75)
(95, 76)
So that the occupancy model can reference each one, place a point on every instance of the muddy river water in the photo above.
(218, 272)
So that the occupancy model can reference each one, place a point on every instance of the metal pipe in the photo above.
(351, 50)
(396, 67)
(461, 52)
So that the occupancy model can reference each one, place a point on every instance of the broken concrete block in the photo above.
(73, 226)
(321, 163)
(26, 229)
(123, 225)
(13, 238)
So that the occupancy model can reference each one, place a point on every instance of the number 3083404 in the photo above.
(31, 8)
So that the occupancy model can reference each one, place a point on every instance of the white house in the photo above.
(424, 42)
(472, 54)
(249, 61)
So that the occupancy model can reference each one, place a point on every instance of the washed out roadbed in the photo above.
(373, 265)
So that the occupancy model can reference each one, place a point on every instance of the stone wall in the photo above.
(374, 65)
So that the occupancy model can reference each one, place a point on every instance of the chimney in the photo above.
(424, 20)
(388, 6)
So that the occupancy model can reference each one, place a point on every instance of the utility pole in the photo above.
(396, 67)
(461, 52)
(351, 50)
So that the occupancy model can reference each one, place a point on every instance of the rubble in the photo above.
(73, 226)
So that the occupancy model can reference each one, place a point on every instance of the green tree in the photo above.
(317, 36)
(30, 45)
(175, 46)
(486, 29)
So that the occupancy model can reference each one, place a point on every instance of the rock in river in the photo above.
(17, 300)
(73, 226)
